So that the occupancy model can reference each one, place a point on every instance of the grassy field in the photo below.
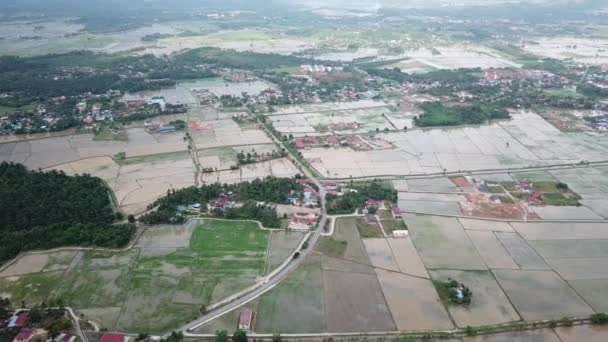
(156, 286)
(368, 230)
(392, 225)
(7, 110)
(331, 247)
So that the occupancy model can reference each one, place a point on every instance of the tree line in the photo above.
(358, 195)
(269, 190)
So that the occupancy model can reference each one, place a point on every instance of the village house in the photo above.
(24, 335)
(302, 221)
(18, 320)
(113, 337)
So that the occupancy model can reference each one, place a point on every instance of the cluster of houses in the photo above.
(303, 221)
(310, 142)
(17, 323)
(599, 123)
(316, 68)
(508, 76)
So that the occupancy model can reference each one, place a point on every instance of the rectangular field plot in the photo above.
(431, 207)
(380, 254)
(491, 250)
(540, 335)
(566, 213)
(489, 304)
(442, 243)
(413, 302)
(296, 304)
(90, 288)
(407, 257)
(571, 248)
(33, 263)
(581, 268)
(541, 295)
(524, 255)
(562, 231)
(282, 245)
(354, 250)
(355, 303)
(485, 225)
(30, 288)
(586, 333)
(595, 292)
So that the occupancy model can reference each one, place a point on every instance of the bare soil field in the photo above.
(489, 304)
(443, 244)
(413, 302)
(541, 294)
(31, 263)
(354, 302)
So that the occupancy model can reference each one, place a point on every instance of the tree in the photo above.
(131, 218)
(141, 337)
(221, 336)
(239, 336)
(277, 338)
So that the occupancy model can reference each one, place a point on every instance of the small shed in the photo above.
(400, 233)
(246, 318)
(397, 215)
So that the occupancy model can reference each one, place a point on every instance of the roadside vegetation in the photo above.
(43, 210)
(268, 190)
(353, 200)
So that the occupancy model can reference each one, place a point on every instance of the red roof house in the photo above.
(111, 337)
(24, 335)
(19, 320)
(304, 181)
(332, 139)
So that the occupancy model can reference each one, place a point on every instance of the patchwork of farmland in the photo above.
(159, 283)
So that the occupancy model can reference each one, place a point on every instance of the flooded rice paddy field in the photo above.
(128, 291)
(585, 50)
(154, 163)
(526, 140)
(453, 57)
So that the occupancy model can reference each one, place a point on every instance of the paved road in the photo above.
(267, 283)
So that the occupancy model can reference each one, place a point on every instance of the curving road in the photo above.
(269, 282)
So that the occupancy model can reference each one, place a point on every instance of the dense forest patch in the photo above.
(42, 210)
(438, 114)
